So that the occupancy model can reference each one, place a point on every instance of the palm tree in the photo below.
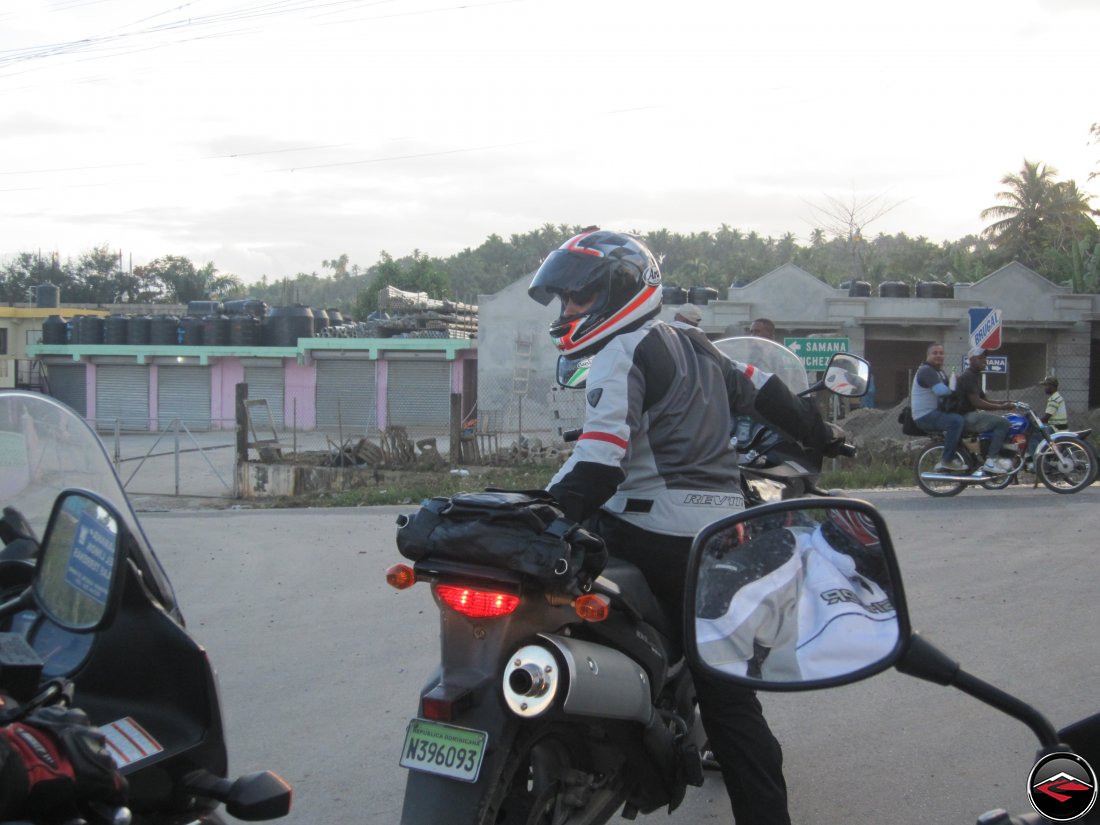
(1024, 205)
(1070, 217)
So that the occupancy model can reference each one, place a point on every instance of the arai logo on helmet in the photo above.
(652, 276)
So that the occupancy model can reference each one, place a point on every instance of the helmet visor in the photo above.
(566, 272)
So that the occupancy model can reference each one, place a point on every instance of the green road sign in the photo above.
(816, 352)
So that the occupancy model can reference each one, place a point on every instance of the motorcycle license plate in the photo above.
(445, 750)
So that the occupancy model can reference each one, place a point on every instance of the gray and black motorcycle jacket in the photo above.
(655, 449)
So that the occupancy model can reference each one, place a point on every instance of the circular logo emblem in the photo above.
(1062, 787)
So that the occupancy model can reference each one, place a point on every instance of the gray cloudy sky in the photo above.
(269, 135)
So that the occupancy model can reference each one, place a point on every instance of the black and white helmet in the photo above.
(615, 269)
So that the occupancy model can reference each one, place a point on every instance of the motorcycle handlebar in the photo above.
(847, 450)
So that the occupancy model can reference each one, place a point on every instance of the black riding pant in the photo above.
(746, 748)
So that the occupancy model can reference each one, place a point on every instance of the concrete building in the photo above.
(330, 384)
(20, 330)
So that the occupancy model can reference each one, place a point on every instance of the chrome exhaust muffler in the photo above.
(581, 678)
(974, 478)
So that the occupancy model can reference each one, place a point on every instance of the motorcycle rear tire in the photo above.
(925, 462)
(533, 786)
(1050, 472)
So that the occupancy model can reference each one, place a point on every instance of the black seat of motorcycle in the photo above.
(636, 593)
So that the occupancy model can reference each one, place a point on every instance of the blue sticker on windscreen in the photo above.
(92, 559)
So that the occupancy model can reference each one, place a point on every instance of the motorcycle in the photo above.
(1064, 461)
(836, 613)
(562, 696)
(90, 617)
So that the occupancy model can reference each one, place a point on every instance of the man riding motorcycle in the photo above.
(654, 462)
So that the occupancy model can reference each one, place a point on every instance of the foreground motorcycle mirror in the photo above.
(573, 372)
(801, 594)
(846, 375)
(795, 595)
(80, 563)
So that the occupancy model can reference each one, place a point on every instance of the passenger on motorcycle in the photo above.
(926, 398)
(976, 408)
(53, 760)
(786, 606)
(654, 462)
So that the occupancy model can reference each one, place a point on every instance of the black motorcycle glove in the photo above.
(55, 758)
(837, 440)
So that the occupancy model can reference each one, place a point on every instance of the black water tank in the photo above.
(190, 331)
(674, 295)
(320, 321)
(935, 289)
(164, 330)
(245, 331)
(137, 331)
(893, 289)
(335, 317)
(200, 309)
(857, 289)
(91, 329)
(245, 306)
(702, 295)
(76, 330)
(116, 329)
(47, 296)
(285, 325)
(215, 331)
(55, 330)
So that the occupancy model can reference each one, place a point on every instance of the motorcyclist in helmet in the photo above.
(654, 462)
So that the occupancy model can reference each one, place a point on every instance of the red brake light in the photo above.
(438, 710)
(477, 604)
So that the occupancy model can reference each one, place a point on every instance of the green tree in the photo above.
(25, 271)
(1016, 231)
(183, 282)
(419, 273)
(1043, 222)
(98, 277)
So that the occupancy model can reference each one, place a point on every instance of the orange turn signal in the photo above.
(592, 607)
(400, 577)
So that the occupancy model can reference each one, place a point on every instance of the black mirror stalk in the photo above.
(925, 661)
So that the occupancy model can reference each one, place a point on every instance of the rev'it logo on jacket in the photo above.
(594, 397)
(715, 499)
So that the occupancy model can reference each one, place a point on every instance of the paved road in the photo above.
(320, 662)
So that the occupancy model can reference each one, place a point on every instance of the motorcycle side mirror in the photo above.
(795, 595)
(573, 372)
(846, 375)
(801, 595)
(79, 568)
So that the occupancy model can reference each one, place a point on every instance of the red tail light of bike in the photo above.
(400, 577)
(477, 604)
